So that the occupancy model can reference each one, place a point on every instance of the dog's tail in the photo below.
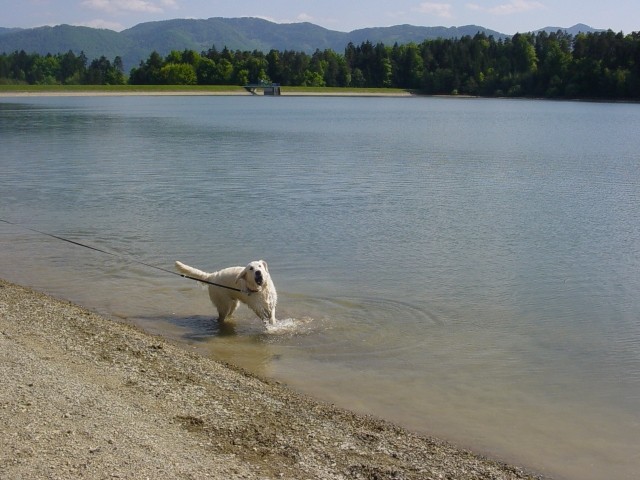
(192, 272)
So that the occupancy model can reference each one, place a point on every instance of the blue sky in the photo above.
(506, 16)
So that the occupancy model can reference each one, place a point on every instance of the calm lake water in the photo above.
(468, 268)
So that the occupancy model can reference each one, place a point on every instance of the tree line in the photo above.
(552, 65)
(60, 69)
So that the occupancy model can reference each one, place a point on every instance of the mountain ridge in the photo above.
(576, 29)
(247, 33)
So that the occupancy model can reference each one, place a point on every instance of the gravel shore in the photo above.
(87, 397)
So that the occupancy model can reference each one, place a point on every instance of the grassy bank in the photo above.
(187, 90)
(120, 89)
(338, 91)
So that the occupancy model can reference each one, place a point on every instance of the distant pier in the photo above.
(266, 88)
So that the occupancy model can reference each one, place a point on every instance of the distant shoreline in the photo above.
(34, 91)
(27, 91)
(155, 90)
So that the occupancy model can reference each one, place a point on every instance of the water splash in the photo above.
(290, 326)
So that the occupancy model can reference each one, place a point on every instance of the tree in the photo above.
(148, 73)
(72, 68)
(525, 60)
(44, 70)
(207, 72)
(294, 65)
(178, 74)
(558, 65)
(555, 61)
(274, 66)
(256, 67)
(103, 72)
(225, 71)
(408, 66)
(242, 76)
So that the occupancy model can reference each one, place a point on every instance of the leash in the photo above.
(96, 249)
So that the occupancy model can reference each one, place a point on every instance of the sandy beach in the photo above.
(85, 396)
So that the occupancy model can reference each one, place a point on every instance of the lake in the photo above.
(467, 268)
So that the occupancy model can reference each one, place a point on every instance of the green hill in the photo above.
(62, 38)
(136, 43)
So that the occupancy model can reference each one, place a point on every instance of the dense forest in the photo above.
(554, 65)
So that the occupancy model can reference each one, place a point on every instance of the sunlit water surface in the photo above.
(467, 268)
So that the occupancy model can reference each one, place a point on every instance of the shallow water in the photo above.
(468, 268)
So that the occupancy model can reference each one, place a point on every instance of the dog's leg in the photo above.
(226, 309)
(265, 313)
(225, 305)
(270, 317)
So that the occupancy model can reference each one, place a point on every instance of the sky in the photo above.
(504, 16)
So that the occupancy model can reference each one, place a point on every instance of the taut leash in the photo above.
(96, 249)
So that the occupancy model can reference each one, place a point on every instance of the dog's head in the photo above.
(255, 275)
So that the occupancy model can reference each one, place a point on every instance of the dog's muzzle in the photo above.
(259, 278)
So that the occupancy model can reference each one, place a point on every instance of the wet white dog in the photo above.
(250, 285)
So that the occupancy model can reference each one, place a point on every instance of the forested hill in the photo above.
(62, 38)
(601, 65)
(246, 34)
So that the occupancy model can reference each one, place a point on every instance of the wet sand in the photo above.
(85, 396)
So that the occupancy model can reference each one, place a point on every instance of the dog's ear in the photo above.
(242, 274)
(264, 264)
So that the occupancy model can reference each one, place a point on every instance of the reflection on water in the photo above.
(469, 269)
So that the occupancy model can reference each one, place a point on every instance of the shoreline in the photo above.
(120, 92)
(334, 92)
(84, 395)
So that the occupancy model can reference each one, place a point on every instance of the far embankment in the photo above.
(119, 90)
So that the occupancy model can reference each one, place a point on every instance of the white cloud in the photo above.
(98, 23)
(442, 10)
(513, 6)
(304, 17)
(116, 6)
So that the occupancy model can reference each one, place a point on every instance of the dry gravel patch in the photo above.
(87, 397)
